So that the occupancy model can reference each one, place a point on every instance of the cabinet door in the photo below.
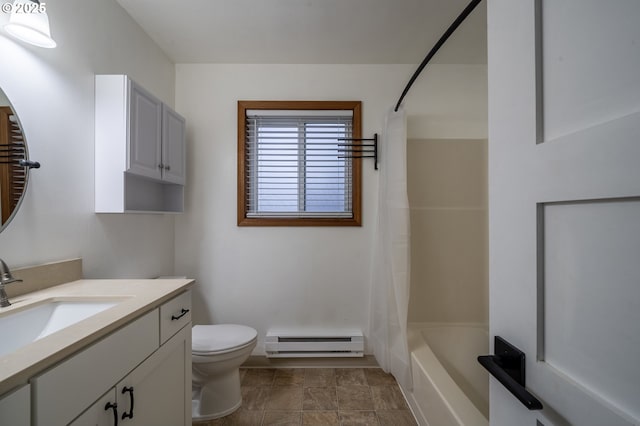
(173, 146)
(145, 133)
(156, 392)
(15, 408)
(63, 392)
(103, 413)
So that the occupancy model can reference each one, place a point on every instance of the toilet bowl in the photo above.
(217, 351)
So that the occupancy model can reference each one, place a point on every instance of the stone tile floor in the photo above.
(318, 396)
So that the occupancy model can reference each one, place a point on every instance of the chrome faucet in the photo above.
(5, 278)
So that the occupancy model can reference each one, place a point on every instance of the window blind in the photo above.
(296, 165)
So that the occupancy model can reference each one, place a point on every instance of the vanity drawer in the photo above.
(174, 315)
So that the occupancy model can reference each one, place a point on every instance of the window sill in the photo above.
(263, 221)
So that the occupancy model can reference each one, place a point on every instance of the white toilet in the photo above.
(217, 351)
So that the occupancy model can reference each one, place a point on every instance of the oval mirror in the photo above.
(14, 164)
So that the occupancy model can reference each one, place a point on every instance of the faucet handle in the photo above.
(5, 278)
(9, 279)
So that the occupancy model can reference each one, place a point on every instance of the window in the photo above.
(292, 166)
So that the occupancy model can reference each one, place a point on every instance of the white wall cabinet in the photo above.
(15, 408)
(140, 157)
(128, 372)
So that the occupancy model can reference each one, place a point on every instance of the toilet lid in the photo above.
(208, 339)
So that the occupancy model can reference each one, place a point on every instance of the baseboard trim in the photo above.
(261, 361)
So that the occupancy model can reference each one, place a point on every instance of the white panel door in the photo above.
(145, 133)
(564, 194)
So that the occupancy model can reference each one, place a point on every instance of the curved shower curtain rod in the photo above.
(467, 10)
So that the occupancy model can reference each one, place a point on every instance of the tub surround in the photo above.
(134, 297)
(447, 185)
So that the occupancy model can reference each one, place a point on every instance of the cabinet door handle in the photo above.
(128, 415)
(161, 166)
(113, 407)
(183, 312)
(167, 167)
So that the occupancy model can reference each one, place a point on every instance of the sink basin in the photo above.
(23, 326)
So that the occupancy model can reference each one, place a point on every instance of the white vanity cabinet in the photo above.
(15, 407)
(140, 155)
(128, 372)
(152, 394)
(102, 413)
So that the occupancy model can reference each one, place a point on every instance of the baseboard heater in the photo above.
(308, 344)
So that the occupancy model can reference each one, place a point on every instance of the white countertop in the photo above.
(137, 297)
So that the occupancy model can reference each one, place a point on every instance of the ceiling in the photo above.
(311, 31)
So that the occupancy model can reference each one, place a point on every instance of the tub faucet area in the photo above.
(5, 278)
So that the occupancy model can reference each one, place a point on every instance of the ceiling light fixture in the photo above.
(29, 22)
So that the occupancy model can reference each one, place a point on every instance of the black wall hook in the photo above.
(30, 164)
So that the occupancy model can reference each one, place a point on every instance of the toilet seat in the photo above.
(220, 338)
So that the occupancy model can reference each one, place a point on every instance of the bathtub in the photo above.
(449, 386)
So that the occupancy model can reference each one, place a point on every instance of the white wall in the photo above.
(316, 277)
(53, 94)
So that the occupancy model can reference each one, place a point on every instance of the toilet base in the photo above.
(195, 411)
(218, 397)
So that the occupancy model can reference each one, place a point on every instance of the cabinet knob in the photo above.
(113, 407)
(161, 166)
(167, 167)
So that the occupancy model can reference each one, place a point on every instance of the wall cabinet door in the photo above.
(156, 138)
(173, 146)
(145, 133)
(157, 392)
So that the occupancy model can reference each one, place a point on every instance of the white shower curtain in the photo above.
(391, 262)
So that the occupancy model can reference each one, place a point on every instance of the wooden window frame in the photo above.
(243, 220)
